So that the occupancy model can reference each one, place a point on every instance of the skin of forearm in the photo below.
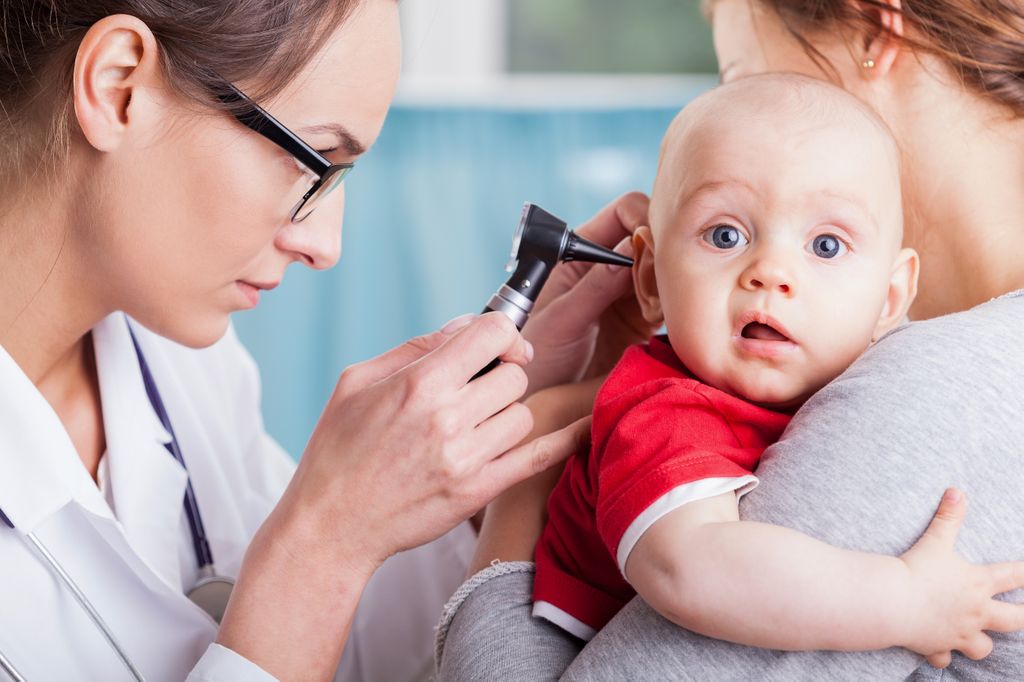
(768, 586)
(278, 618)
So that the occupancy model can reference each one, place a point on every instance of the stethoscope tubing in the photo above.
(9, 668)
(84, 602)
(204, 555)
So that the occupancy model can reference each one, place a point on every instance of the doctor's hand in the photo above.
(588, 314)
(408, 446)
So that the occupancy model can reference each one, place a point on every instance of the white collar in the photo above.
(41, 470)
(147, 483)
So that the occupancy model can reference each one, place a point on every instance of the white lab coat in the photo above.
(136, 561)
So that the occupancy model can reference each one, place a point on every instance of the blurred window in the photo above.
(608, 36)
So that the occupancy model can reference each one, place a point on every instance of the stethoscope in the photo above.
(211, 592)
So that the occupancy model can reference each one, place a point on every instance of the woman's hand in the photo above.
(412, 447)
(587, 314)
(406, 448)
(952, 602)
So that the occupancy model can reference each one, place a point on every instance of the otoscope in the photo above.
(540, 243)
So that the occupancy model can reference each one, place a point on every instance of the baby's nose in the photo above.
(768, 275)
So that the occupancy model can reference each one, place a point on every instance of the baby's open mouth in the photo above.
(763, 332)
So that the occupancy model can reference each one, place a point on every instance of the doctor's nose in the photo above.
(316, 241)
(771, 273)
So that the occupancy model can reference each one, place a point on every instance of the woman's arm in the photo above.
(406, 448)
(769, 586)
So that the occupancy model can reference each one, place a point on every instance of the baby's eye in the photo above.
(827, 246)
(724, 237)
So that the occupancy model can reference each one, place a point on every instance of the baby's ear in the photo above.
(902, 290)
(644, 280)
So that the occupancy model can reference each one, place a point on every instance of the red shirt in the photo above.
(656, 430)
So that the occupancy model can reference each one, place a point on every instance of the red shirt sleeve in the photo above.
(645, 449)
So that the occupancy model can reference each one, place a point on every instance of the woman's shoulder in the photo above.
(933, 374)
(979, 338)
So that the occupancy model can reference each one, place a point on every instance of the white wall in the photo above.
(453, 41)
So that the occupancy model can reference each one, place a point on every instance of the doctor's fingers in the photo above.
(360, 375)
(457, 466)
(533, 457)
(473, 347)
(496, 436)
(486, 396)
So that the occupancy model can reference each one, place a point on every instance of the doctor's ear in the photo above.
(644, 281)
(902, 291)
(116, 61)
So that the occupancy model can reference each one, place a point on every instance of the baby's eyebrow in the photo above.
(853, 201)
(709, 186)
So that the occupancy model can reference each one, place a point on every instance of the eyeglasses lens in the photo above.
(331, 180)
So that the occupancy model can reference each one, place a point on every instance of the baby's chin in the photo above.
(777, 393)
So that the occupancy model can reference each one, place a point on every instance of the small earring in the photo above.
(868, 63)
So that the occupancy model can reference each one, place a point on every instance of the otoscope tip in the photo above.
(584, 250)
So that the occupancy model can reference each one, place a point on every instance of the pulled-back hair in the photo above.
(982, 41)
(263, 41)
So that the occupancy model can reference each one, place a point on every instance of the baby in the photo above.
(773, 259)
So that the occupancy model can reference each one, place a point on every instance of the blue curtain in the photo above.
(428, 226)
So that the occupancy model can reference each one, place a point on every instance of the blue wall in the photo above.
(428, 227)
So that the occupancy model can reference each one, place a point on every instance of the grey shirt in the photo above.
(862, 466)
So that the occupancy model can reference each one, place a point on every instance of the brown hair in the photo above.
(200, 41)
(982, 41)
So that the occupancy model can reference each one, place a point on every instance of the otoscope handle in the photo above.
(493, 363)
(500, 302)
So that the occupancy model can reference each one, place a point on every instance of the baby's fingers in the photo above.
(940, 660)
(1006, 576)
(1004, 617)
(945, 524)
(978, 648)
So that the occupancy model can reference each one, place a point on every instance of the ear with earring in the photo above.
(868, 63)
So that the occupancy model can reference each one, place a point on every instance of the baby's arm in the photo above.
(769, 586)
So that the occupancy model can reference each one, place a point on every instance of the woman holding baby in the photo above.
(934, 404)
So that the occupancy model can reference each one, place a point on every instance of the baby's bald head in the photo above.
(779, 120)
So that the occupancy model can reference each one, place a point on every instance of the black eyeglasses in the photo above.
(328, 175)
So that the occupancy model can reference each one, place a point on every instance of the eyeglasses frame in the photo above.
(259, 120)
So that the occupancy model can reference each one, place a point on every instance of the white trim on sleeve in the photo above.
(555, 615)
(221, 664)
(674, 499)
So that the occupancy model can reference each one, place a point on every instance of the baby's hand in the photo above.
(951, 604)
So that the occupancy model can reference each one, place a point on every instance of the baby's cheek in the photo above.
(837, 360)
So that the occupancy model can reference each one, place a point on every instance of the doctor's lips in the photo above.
(251, 290)
(760, 334)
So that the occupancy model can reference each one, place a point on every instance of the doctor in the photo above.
(145, 198)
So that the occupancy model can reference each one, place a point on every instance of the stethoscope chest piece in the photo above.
(211, 594)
